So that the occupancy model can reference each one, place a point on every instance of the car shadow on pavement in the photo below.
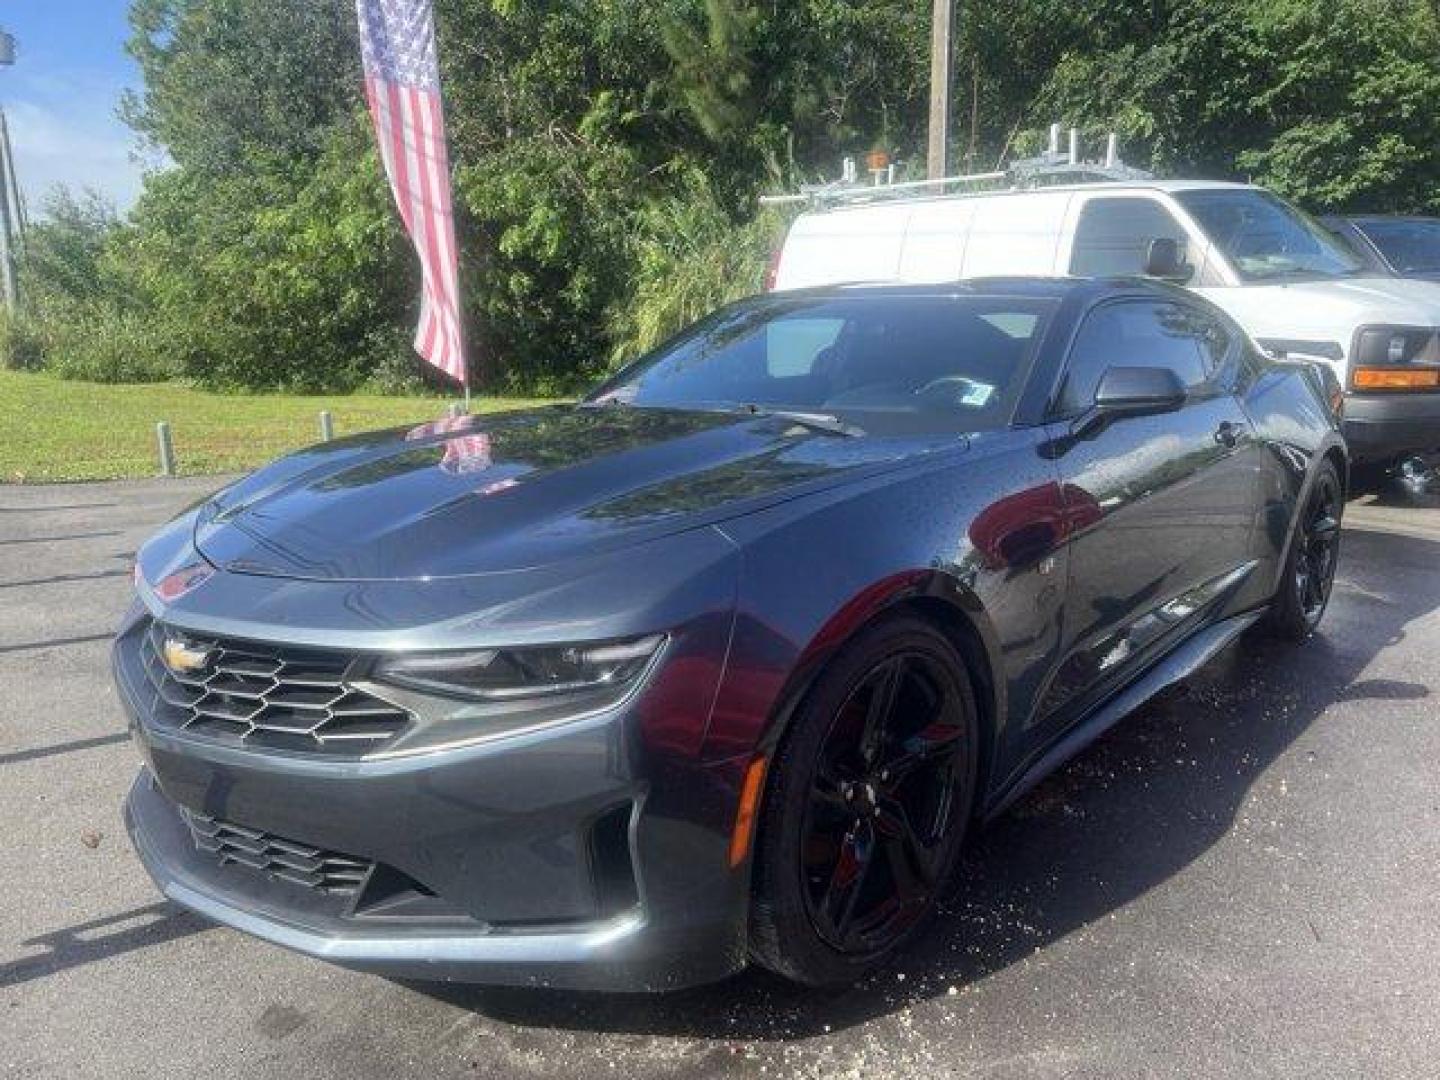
(55, 749)
(1138, 807)
(101, 939)
(58, 539)
(62, 579)
(54, 643)
(30, 511)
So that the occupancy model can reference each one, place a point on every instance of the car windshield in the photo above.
(852, 364)
(1410, 246)
(1266, 238)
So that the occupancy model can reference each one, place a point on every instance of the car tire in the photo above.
(1309, 573)
(866, 805)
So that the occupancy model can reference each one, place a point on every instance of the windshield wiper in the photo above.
(822, 422)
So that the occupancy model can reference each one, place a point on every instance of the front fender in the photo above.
(1331, 447)
(937, 593)
(813, 575)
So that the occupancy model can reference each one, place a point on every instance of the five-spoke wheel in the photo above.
(869, 802)
(882, 804)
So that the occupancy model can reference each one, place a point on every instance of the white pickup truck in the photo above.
(1279, 274)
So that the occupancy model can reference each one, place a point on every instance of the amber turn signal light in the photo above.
(744, 831)
(1397, 379)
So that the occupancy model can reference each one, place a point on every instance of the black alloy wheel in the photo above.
(882, 805)
(1319, 548)
(873, 800)
(1314, 554)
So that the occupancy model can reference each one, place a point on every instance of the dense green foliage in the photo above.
(607, 155)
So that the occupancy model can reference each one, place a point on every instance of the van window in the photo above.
(1142, 333)
(1113, 236)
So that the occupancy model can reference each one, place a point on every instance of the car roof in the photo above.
(1035, 287)
(1114, 187)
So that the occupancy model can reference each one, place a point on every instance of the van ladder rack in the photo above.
(1052, 168)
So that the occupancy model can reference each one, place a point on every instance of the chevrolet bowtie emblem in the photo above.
(182, 657)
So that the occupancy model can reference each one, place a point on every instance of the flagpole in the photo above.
(462, 337)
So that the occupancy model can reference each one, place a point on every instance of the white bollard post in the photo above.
(167, 449)
(327, 426)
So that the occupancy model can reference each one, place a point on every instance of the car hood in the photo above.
(480, 495)
(1330, 309)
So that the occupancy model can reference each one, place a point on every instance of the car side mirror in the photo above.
(1165, 259)
(1132, 391)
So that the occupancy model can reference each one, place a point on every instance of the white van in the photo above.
(1285, 279)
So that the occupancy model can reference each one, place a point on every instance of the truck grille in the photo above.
(313, 867)
(265, 696)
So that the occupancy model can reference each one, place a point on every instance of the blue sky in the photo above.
(62, 94)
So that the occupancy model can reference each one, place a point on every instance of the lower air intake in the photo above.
(312, 867)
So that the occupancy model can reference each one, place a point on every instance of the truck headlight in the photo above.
(1389, 346)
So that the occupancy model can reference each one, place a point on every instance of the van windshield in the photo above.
(897, 365)
(1266, 238)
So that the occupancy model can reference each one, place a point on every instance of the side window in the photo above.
(1215, 344)
(1113, 235)
(1142, 333)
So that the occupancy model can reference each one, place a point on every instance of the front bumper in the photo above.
(624, 952)
(1383, 428)
(484, 861)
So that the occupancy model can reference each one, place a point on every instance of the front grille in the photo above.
(315, 868)
(266, 696)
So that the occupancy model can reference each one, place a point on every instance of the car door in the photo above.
(1162, 506)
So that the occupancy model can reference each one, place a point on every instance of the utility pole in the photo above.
(938, 160)
(9, 193)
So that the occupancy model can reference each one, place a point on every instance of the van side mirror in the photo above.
(1165, 259)
(1132, 391)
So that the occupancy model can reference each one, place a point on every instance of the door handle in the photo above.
(1228, 433)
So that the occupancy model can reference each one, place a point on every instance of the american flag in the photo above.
(402, 84)
(463, 454)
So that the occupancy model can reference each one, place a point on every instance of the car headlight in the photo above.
(604, 670)
(1380, 346)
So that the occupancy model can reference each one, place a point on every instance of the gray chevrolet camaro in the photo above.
(721, 663)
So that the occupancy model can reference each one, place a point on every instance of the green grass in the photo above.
(51, 429)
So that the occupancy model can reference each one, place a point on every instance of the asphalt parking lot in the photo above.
(1241, 880)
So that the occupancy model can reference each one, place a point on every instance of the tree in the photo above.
(230, 81)
(1327, 101)
(607, 157)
